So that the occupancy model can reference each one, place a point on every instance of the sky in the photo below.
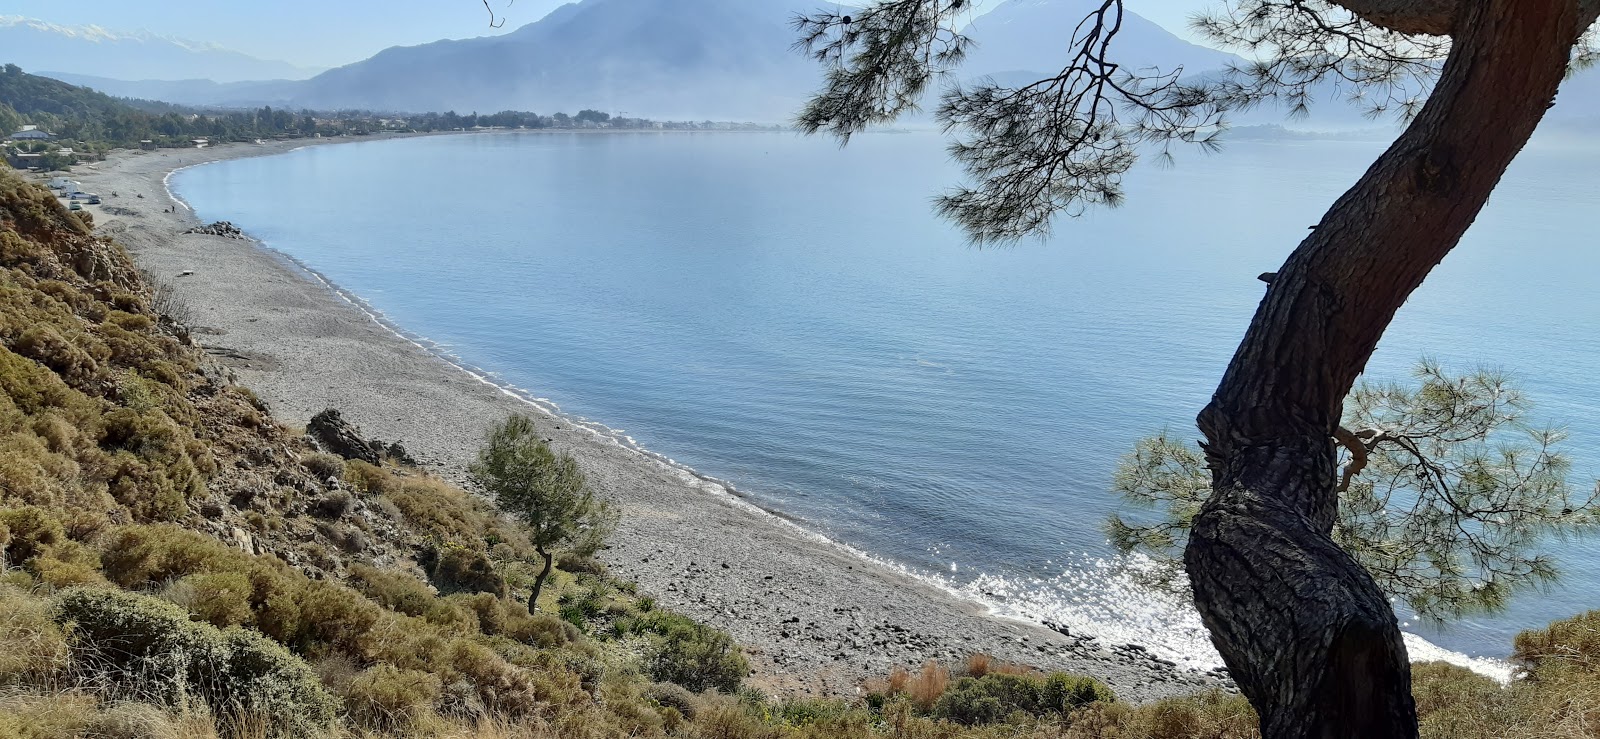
(330, 33)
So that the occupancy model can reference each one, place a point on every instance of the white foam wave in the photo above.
(1102, 597)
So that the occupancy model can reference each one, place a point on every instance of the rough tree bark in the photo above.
(1306, 633)
(538, 582)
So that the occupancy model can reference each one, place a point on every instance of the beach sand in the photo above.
(814, 617)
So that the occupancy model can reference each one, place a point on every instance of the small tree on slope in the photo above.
(545, 490)
(1305, 630)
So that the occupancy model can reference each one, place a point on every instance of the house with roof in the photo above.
(19, 159)
(32, 133)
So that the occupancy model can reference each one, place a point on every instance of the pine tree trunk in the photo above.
(1305, 631)
(538, 582)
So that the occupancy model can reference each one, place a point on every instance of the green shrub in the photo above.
(540, 629)
(30, 532)
(141, 647)
(221, 599)
(674, 696)
(323, 466)
(66, 564)
(139, 556)
(967, 702)
(33, 649)
(366, 477)
(386, 698)
(462, 570)
(396, 591)
(1063, 693)
(260, 679)
(993, 697)
(690, 654)
(45, 345)
(488, 609)
(333, 617)
(578, 607)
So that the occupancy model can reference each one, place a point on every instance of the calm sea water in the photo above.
(789, 316)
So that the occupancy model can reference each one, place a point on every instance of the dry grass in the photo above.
(928, 685)
(74, 714)
(980, 664)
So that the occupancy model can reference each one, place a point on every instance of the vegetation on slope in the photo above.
(176, 564)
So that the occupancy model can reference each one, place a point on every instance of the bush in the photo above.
(690, 654)
(540, 630)
(324, 466)
(462, 570)
(386, 698)
(30, 531)
(1209, 715)
(333, 505)
(674, 696)
(333, 617)
(44, 345)
(395, 591)
(487, 609)
(991, 698)
(33, 649)
(221, 599)
(141, 647)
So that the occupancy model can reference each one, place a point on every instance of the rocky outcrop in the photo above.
(340, 437)
(220, 228)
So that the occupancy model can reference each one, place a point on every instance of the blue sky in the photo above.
(328, 33)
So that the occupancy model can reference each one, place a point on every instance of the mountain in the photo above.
(688, 59)
(92, 50)
(1035, 36)
(726, 59)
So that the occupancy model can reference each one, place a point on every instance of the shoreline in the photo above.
(815, 616)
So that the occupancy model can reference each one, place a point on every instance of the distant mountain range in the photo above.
(687, 59)
(93, 50)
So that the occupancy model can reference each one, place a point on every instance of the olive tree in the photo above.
(1446, 493)
(1305, 629)
(544, 490)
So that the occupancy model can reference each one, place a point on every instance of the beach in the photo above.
(814, 617)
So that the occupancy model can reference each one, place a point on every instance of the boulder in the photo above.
(340, 437)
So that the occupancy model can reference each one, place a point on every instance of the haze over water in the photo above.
(791, 317)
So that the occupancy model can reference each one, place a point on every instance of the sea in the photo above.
(790, 316)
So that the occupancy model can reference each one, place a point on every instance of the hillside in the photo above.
(94, 120)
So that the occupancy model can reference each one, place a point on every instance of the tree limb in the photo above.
(1425, 17)
(1358, 453)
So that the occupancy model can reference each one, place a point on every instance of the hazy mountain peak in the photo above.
(99, 34)
(95, 50)
(1035, 35)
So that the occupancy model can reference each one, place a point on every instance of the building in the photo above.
(147, 144)
(32, 133)
(21, 160)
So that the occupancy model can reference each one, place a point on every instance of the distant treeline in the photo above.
(93, 122)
